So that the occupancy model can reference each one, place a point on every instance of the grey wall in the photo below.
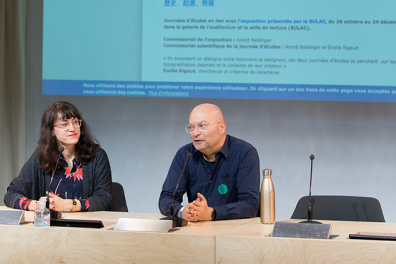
(354, 143)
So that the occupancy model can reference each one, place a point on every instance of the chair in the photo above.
(119, 203)
(343, 208)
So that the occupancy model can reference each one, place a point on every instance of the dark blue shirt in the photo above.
(68, 184)
(231, 187)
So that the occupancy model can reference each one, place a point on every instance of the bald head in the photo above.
(209, 132)
(208, 111)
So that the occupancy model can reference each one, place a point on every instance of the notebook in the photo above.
(373, 236)
(76, 223)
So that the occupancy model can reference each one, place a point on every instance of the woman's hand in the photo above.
(33, 205)
(59, 204)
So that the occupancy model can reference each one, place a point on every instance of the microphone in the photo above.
(176, 221)
(54, 214)
(312, 157)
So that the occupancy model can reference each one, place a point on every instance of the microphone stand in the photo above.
(310, 210)
(54, 214)
(177, 221)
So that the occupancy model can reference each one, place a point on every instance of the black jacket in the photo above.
(32, 182)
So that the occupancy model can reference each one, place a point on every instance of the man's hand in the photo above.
(188, 213)
(202, 210)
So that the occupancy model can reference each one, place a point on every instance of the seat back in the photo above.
(119, 203)
(344, 208)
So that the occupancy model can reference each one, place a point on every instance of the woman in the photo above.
(68, 162)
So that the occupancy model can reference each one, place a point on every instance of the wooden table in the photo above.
(232, 241)
(26, 243)
(252, 244)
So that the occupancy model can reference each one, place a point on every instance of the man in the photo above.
(222, 176)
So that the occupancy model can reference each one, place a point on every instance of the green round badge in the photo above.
(223, 189)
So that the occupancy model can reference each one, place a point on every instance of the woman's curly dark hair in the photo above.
(47, 148)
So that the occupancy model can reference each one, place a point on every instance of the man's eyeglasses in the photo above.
(65, 125)
(201, 127)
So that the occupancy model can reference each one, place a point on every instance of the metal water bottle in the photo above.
(267, 199)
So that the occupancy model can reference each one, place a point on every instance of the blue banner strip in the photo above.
(222, 90)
